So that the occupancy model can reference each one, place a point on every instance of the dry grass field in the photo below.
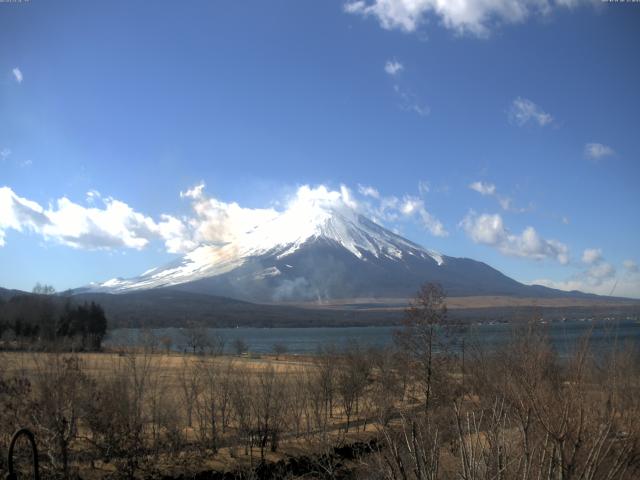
(519, 413)
(480, 301)
(176, 392)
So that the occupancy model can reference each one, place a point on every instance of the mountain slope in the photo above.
(322, 253)
(6, 294)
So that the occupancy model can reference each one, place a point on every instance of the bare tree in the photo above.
(419, 337)
(190, 386)
(540, 417)
(352, 376)
(241, 395)
(240, 346)
(196, 337)
(298, 401)
(279, 349)
(212, 403)
(409, 452)
(267, 403)
(43, 289)
(157, 406)
(149, 340)
(316, 413)
(15, 407)
(325, 361)
(227, 373)
(116, 414)
(216, 344)
(388, 387)
(59, 383)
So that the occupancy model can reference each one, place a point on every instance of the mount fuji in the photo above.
(321, 253)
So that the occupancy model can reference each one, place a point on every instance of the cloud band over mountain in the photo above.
(114, 224)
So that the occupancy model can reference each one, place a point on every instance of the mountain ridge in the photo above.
(322, 253)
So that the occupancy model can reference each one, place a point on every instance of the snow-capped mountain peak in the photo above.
(279, 237)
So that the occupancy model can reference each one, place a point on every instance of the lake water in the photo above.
(604, 335)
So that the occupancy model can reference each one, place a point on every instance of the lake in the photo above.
(604, 335)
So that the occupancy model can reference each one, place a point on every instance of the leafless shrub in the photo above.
(15, 393)
(59, 385)
(410, 450)
(116, 415)
(279, 349)
(240, 396)
(550, 418)
(267, 403)
(212, 404)
(351, 381)
(189, 383)
(240, 346)
(297, 402)
(389, 385)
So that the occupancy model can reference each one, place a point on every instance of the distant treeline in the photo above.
(42, 319)
(167, 307)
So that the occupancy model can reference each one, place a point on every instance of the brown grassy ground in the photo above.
(482, 410)
(171, 364)
(168, 368)
(493, 301)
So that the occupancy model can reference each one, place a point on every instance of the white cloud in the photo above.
(116, 225)
(602, 278)
(410, 205)
(414, 207)
(524, 111)
(410, 102)
(490, 230)
(347, 198)
(600, 272)
(580, 284)
(113, 226)
(195, 192)
(423, 187)
(386, 209)
(489, 189)
(368, 191)
(17, 74)
(393, 67)
(6, 155)
(591, 255)
(92, 196)
(380, 209)
(630, 266)
(483, 188)
(220, 222)
(475, 17)
(506, 204)
(107, 223)
(176, 235)
(596, 151)
(18, 213)
(422, 110)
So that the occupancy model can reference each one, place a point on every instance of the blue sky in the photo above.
(506, 132)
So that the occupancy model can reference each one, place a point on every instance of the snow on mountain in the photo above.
(280, 237)
(319, 248)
